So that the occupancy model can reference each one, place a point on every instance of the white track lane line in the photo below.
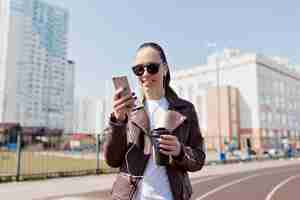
(206, 179)
(281, 184)
(71, 198)
(226, 185)
(237, 181)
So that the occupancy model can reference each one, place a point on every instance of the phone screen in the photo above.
(122, 82)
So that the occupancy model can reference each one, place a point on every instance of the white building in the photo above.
(269, 94)
(89, 115)
(34, 79)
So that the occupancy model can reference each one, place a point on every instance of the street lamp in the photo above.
(221, 153)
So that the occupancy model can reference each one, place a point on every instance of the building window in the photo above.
(263, 116)
(281, 89)
(270, 118)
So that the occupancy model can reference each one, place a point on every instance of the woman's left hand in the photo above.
(169, 145)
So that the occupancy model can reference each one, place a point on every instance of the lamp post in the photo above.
(221, 153)
(19, 146)
(219, 135)
(98, 160)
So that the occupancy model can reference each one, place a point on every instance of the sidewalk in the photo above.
(30, 190)
(77, 186)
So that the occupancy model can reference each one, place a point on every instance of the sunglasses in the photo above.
(152, 68)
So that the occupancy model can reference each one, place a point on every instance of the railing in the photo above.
(52, 156)
(46, 156)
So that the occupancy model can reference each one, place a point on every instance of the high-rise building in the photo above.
(35, 76)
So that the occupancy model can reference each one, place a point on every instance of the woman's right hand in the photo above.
(122, 105)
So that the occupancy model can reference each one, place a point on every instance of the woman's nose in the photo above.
(146, 73)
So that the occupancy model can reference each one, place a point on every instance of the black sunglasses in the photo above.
(152, 68)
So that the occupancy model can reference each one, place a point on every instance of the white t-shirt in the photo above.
(155, 183)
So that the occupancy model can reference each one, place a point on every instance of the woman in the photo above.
(128, 144)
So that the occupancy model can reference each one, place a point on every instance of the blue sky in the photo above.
(105, 34)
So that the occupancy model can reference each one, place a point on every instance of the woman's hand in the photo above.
(122, 105)
(169, 145)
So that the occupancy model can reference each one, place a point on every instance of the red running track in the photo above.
(278, 183)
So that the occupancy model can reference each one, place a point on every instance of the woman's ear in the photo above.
(165, 71)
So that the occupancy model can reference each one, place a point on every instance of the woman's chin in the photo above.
(148, 87)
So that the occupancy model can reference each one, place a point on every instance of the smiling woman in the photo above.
(133, 141)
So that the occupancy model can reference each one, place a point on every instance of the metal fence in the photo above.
(31, 156)
(245, 148)
(256, 143)
(45, 156)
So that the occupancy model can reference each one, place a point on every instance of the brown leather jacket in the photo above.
(125, 147)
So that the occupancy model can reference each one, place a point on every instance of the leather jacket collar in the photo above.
(174, 118)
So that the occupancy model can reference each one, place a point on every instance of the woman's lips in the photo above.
(147, 82)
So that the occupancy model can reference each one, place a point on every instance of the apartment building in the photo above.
(268, 92)
(36, 78)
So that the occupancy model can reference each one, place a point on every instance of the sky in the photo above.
(104, 35)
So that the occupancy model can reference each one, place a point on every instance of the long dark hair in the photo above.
(169, 92)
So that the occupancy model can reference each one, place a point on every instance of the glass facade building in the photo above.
(35, 64)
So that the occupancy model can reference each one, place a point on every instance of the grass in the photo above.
(33, 163)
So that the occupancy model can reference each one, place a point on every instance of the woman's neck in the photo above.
(154, 95)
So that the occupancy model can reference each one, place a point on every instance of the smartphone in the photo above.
(122, 82)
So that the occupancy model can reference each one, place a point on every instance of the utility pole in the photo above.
(221, 153)
(219, 135)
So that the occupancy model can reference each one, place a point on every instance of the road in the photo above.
(273, 183)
